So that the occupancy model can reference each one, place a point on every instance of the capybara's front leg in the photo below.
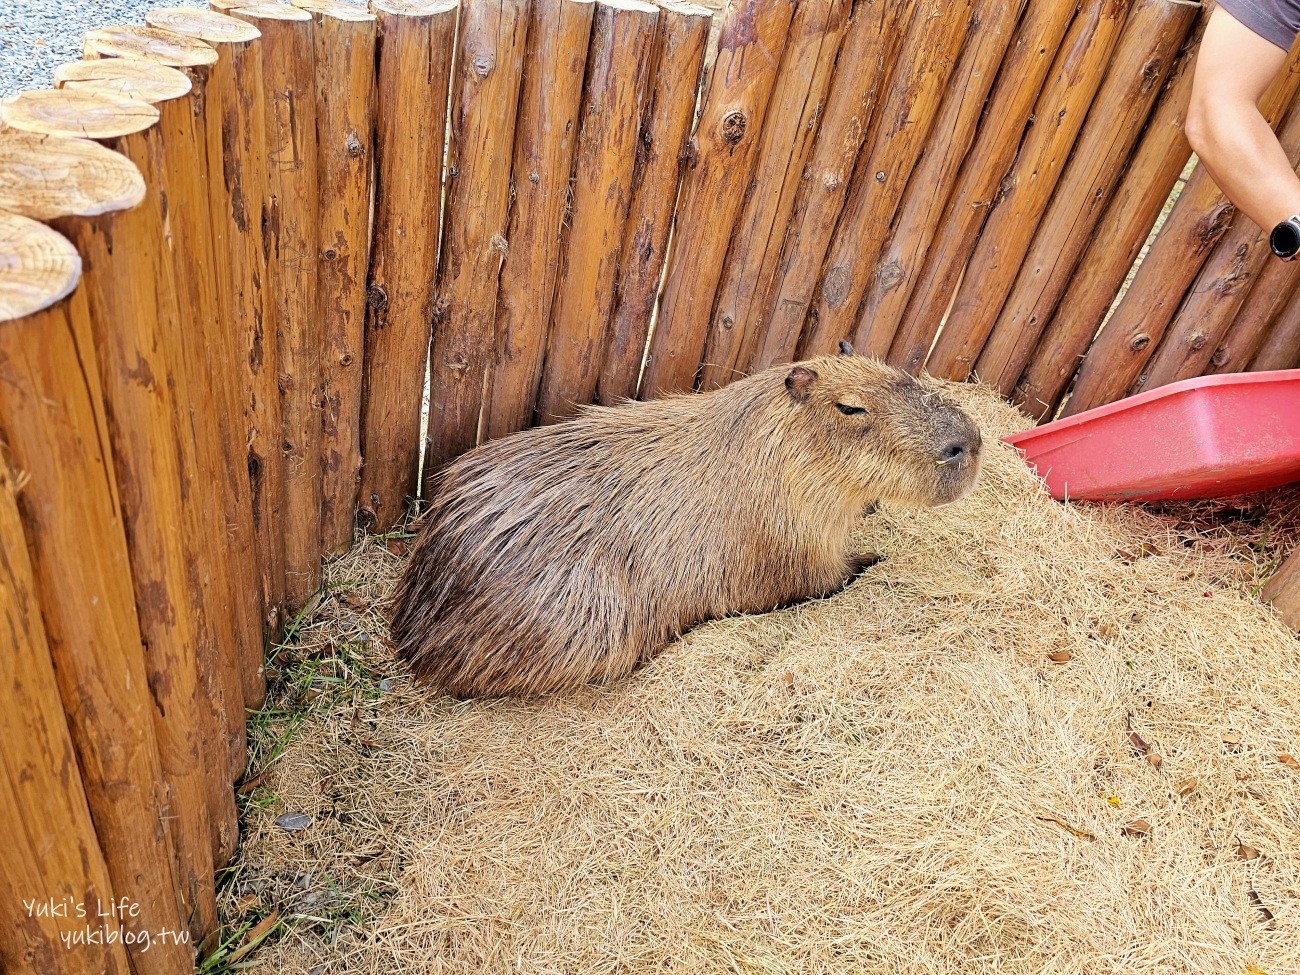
(857, 564)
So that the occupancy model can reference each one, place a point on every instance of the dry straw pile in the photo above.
(1035, 738)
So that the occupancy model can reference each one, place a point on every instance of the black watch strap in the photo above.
(1285, 238)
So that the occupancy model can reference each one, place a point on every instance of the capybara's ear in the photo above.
(846, 348)
(799, 383)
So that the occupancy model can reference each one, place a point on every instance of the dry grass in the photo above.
(897, 779)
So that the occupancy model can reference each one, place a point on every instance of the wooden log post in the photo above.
(52, 855)
(1027, 188)
(926, 59)
(345, 129)
(1147, 50)
(234, 127)
(53, 430)
(1281, 350)
(219, 534)
(484, 98)
(733, 111)
(289, 106)
(1143, 188)
(618, 71)
(865, 63)
(415, 46)
(215, 354)
(546, 131)
(890, 286)
(1283, 591)
(681, 36)
(134, 330)
(1218, 292)
(793, 113)
(1262, 310)
(1197, 221)
(1010, 105)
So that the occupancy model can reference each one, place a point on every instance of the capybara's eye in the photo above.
(850, 410)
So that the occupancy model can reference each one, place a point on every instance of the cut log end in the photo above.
(335, 9)
(684, 9)
(641, 6)
(45, 178)
(206, 25)
(143, 80)
(88, 114)
(254, 12)
(38, 266)
(413, 8)
(149, 43)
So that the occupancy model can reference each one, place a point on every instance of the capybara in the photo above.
(571, 553)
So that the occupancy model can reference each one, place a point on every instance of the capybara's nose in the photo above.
(953, 452)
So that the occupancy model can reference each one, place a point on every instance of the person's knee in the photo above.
(1197, 125)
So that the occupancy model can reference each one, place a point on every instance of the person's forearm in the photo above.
(1244, 158)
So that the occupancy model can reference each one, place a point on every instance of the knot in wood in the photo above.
(345, 359)
(1139, 342)
(1197, 342)
(534, 178)
(1212, 225)
(377, 298)
(890, 275)
(330, 253)
(366, 517)
(456, 363)
(733, 127)
(690, 153)
(1150, 73)
(728, 322)
(354, 146)
(835, 286)
(483, 64)
(1220, 356)
(880, 176)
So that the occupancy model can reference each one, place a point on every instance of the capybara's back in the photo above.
(571, 553)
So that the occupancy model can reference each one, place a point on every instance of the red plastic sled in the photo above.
(1211, 437)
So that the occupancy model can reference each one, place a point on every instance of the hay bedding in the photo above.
(897, 779)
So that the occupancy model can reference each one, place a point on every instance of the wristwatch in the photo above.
(1285, 238)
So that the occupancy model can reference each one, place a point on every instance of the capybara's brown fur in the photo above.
(572, 553)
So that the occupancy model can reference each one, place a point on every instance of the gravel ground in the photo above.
(36, 36)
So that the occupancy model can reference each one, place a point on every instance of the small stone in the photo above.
(293, 821)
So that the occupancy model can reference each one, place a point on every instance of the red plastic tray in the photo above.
(1211, 437)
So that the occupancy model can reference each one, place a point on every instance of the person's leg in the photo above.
(1233, 68)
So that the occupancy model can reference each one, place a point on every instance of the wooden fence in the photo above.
(235, 247)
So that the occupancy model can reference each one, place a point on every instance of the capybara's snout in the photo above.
(957, 444)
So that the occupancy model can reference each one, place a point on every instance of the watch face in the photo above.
(1285, 239)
